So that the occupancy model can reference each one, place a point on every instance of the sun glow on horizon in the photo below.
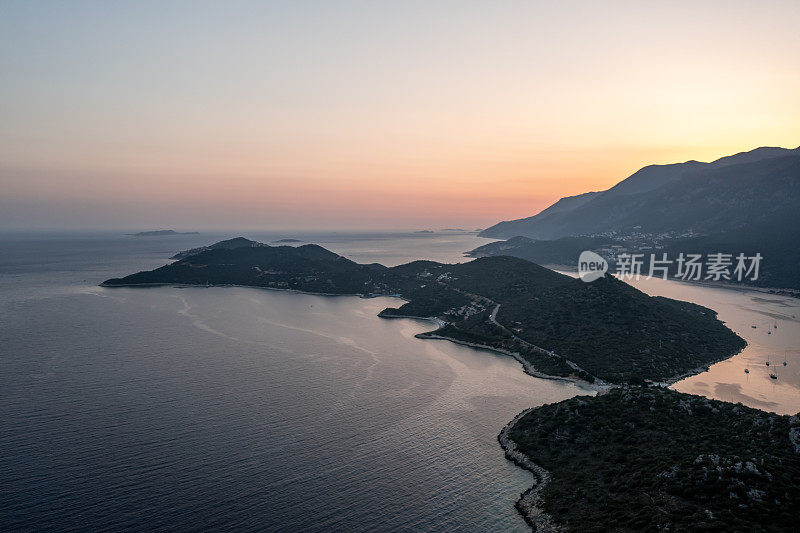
(390, 115)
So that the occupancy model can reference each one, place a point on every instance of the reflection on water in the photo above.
(245, 409)
(241, 409)
(775, 338)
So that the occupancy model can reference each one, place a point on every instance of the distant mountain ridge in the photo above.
(759, 189)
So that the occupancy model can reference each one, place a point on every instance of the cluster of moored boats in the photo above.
(772, 375)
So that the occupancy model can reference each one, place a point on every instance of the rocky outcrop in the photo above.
(529, 501)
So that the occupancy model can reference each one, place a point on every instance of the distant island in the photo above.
(424, 231)
(637, 456)
(288, 240)
(162, 233)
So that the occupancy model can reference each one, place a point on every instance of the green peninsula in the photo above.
(555, 324)
(651, 459)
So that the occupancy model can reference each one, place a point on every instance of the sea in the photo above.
(243, 409)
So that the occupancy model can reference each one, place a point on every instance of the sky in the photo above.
(371, 115)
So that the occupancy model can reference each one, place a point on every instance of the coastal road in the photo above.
(493, 319)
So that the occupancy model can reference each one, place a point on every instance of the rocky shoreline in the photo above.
(699, 370)
(528, 503)
(526, 366)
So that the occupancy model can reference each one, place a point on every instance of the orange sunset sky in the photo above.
(315, 115)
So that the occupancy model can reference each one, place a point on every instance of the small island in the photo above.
(162, 233)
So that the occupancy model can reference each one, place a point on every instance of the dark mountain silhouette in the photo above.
(759, 189)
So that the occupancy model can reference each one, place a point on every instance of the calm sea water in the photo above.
(242, 409)
(246, 409)
(775, 338)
